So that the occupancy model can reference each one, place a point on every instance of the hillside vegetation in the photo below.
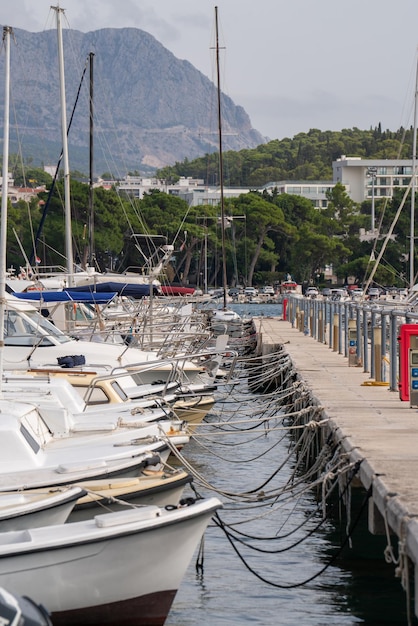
(307, 156)
(268, 235)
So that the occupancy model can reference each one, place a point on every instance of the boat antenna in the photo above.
(221, 169)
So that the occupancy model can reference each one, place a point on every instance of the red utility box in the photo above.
(408, 339)
(285, 308)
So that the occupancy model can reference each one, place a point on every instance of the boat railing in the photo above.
(149, 327)
(365, 332)
(206, 361)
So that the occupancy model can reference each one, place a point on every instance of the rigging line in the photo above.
(54, 180)
(245, 536)
(260, 422)
(182, 224)
(389, 234)
(292, 487)
(278, 406)
(235, 462)
(394, 271)
(384, 206)
(314, 470)
(218, 521)
(212, 436)
(296, 543)
(20, 152)
(282, 506)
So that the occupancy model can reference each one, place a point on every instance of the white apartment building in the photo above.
(315, 191)
(192, 190)
(368, 178)
(137, 186)
(196, 193)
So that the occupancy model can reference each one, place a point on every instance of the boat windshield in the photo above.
(30, 329)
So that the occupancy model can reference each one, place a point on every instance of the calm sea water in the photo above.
(359, 588)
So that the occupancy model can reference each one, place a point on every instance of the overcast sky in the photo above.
(292, 65)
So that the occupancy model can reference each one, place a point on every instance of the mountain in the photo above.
(150, 108)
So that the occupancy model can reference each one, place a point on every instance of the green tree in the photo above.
(262, 218)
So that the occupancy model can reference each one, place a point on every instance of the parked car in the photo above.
(311, 292)
(267, 290)
(216, 293)
(339, 294)
(250, 292)
(326, 292)
(373, 293)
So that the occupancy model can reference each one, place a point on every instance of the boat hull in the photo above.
(110, 570)
(193, 410)
(148, 610)
(158, 488)
(21, 510)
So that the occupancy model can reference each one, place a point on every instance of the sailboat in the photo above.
(31, 455)
(224, 320)
(119, 568)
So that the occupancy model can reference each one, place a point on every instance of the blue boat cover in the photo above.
(133, 290)
(65, 296)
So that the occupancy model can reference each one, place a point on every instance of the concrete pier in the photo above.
(371, 424)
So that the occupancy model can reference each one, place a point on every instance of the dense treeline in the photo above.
(308, 156)
(267, 235)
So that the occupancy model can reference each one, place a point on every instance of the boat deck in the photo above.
(371, 423)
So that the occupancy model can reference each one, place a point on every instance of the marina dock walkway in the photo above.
(371, 423)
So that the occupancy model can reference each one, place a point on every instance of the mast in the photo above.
(7, 31)
(414, 158)
(67, 203)
(91, 175)
(221, 168)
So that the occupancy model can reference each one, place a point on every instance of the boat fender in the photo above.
(72, 360)
(183, 503)
(187, 501)
(153, 460)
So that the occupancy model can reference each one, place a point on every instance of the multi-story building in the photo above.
(196, 193)
(192, 190)
(366, 179)
(136, 186)
(314, 190)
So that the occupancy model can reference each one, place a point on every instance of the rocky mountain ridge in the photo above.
(150, 108)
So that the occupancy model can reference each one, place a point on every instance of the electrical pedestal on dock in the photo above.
(352, 343)
(408, 363)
